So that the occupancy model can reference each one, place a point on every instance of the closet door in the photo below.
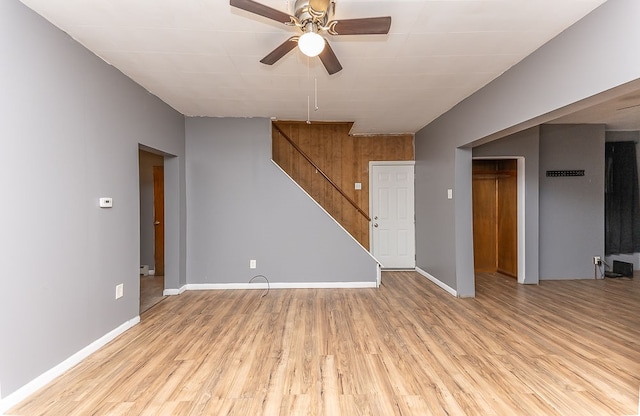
(495, 216)
(507, 228)
(484, 216)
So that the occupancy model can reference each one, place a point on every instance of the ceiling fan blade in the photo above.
(320, 6)
(262, 10)
(329, 59)
(366, 26)
(280, 51)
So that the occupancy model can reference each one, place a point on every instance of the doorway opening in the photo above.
(151, 180)
(498, 218)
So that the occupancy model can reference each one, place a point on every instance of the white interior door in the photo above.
(392, 215)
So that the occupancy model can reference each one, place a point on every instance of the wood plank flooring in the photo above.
(151, 291)
(408, 348)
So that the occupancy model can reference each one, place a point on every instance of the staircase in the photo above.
(329, 164)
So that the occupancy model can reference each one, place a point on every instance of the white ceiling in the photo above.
(202, 57)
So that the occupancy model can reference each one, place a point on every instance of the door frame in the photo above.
(373, 163)
(158, 219)
(521, 211)
(173, 222)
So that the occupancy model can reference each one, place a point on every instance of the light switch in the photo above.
(358, 186)
(449, 193)
(106, 202)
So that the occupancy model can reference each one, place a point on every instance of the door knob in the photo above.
(156, 223)
(375, 218)
(375, 225)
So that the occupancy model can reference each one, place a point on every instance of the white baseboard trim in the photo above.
(263, 285)
(444, 286)
(45, 378)
(174, 292)
(282, 285)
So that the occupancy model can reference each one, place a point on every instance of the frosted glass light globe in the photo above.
(311, 44)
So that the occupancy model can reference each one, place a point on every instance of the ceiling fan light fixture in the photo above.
(313, 17)
(311, 44)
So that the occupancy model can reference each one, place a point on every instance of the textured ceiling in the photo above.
(202, 57)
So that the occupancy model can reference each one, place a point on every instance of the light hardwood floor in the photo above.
(151, 291)
(408, 348)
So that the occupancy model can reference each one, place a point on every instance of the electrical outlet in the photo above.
(252, 264)
(119, 290)
(597, 260)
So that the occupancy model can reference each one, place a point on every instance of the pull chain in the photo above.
(308, 98)
(316, 93)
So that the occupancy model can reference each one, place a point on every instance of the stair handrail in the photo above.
(320, 171)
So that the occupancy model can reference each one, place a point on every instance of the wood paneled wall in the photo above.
(344, 158)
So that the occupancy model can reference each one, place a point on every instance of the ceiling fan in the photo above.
(312, 17)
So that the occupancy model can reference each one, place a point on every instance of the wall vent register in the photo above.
(559, 173)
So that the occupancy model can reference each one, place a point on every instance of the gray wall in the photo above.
(571, 208)
(435, 227)
(70, 130)
(241, 207)
(590, 57)
(523, 144)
